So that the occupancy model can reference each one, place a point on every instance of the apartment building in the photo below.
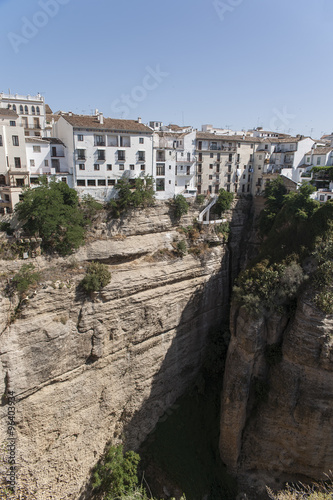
(103, 150)
(30, 109)
(225, 162)
(173, 160)
(48, 157)
(14, 174)
(280, 156)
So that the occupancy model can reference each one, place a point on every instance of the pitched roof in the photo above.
(86, 121)
(227, 138)
(8, 112)
(48, 110)
(321, 150)
(34, 140)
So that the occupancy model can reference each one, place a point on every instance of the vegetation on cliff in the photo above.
(132, 194)
(51, 211)
(297, 242)
(96, 278)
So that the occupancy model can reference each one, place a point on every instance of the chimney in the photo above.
(139, 119)
(96, 112)
(101, 118)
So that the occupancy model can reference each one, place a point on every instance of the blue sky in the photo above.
(241, 63)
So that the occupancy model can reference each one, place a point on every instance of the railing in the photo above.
(58, 155)
(102, 143)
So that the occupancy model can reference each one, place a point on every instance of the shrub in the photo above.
(6, 228)
(200, 199)
(24, 279)
(223, 202)
(180, 206)
(96, 278)
(139, 193)
(224, 230)
(116, 473)
(52, 211)
(90, 207)
(181, 248)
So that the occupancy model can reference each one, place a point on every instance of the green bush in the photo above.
(96, 278)
(116, 474)
(24, 279)
(223, 202)
(200, 199)
(224, 230)
(6, 228)
(90, 207)
(180, 206)
(139, 193)
(52, 212)
(181, 248)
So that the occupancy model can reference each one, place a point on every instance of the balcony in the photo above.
(58, 155)
(33, 127)
(81, 157)
(100, 143)
(141, 158)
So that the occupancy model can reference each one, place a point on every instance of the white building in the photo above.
(174, 167)
(103, 150)
(30, 109)
(14, 174)
(48, 157)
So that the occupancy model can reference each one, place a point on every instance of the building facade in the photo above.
(30, 109)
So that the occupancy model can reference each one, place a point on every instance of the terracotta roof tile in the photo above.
(8, 112)
(86, 121)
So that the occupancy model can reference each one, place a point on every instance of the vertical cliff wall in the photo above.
(91, 371)
(276, 414)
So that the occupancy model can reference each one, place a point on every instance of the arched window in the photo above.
(33, 112)
(2, 180)
(38, 110)
(14, 107)
(21, 109)
(26, 111)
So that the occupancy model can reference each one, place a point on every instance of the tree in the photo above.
(274, 198)
(180, 206)
(223, 201)
(52, 212)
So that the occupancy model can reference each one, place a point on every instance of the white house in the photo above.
(30, 109)
(14, 174)
(103, 150)
(174, 167)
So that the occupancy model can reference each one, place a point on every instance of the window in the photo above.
(81, 182)
(212, 155)
(121, 155)
(160, 185)
(170, 167)
(266, 146)
(199, 168)
(34, 180)
(141, 140)
(64, 179)
(238, 145)
(132, 167)
(17, 162)
(218, 157)
(101, 154)
(80, 137)
(15, 140)
(19, 182)
(1, 140)
(125, 142)
(38, 110)
(7, 197)
(81, 154)
(32, 163)
(26, 110)
(141, 156)
(169, 153)
(229, 177)
(143, 167)
(230, 157)
(260, 157)
(99, 140)
(160, 169)
(82, 166)
(108, 167)
(33, 110)
(251, 146)
(121, 166)
(91, 182)
(12, 123)
(36, 149)
(229, 168)
(169, 182)
(111, 182)
(96, 166)
(21, 109)
(211, 165)
(199, 179)
(46, 163)
(308, 159)
(101, 182)
(210, 177)
(318, 160)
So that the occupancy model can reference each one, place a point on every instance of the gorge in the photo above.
(90, 371)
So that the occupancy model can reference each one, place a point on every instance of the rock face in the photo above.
(91, 371)
(277, 413)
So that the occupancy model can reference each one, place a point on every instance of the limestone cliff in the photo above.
(91, 371)
(276, 415)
